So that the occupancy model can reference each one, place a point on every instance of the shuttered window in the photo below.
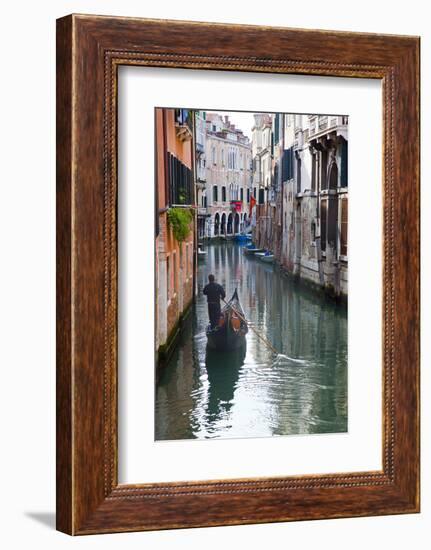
(180, 182)
(287, 164)
(298, 175)
(344, 163)
(276, 128)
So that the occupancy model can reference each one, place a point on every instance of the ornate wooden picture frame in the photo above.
(89, 51)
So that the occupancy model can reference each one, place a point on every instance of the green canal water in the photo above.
(251, 393)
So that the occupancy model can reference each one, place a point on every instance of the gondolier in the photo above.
(214, 293)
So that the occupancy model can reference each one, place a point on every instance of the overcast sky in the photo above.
(243, 121)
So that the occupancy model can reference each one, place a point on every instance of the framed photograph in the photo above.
(237, 274)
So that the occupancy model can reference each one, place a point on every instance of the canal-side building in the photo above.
(228, 176)
(174, 191)
(279, 159)
(262, 144)
(200, 173)
(300, 181)
(315, 200)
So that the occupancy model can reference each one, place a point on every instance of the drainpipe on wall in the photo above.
(195, 217)
(319, 246)
(319, 238)
(282, 188)
(165, 158)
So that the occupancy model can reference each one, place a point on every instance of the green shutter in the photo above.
(344, 163)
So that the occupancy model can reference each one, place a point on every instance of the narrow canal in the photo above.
(207, 394)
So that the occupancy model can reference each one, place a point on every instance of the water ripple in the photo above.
(302, 390)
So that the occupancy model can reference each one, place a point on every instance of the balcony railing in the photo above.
(323, 123)
(183, 124)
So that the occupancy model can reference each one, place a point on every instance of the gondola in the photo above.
(202, 254)
(266, 257)
(252, 250)
(230, 332)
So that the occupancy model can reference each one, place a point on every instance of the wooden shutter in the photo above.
(344, 163)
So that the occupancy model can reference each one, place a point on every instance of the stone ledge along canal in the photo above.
(204, 394)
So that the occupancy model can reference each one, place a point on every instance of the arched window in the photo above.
(229, 224)
(236, 223)
(223, 224)
(333, 175)
(216, 224)
(323, 170)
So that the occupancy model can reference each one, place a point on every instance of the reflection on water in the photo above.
(251, 393)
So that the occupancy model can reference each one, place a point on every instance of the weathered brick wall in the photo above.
(173, 314)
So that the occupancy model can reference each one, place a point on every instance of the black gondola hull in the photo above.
(225, 337)
(224, 340)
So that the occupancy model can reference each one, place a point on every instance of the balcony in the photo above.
(183, 124)
(200, 184)
(312, 125)
(323, 123)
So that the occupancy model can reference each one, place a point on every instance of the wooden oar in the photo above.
(264, 340)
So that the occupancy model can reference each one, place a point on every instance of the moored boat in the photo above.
(242, 238)
(230, 332)
(201, 253)
(252, 251)
(267, 258)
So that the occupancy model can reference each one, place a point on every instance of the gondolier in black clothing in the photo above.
(214, 292)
